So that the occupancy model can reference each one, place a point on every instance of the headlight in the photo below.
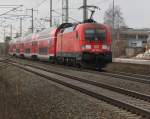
(104, 47)
(87, 47)
(83, 47)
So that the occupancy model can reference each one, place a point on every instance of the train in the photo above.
(84, 44)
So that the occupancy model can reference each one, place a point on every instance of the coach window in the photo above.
(22, 45)
(43, 51)
(17, 50)
(27, 50)
(34, 43)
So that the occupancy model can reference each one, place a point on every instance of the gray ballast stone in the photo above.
(27, 96)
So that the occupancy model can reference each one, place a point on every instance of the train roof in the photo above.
(46, 31)
(18, 39)
(29, 37)
(84, 23)
(15, 40)
(12, 41)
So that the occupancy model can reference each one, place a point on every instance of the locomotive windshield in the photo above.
(95, 34)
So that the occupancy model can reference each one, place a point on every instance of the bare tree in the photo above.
(118, 17)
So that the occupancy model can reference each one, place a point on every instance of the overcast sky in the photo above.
(135, 12)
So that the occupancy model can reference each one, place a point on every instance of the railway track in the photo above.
(3, 66)
(114, 88)
(130, 100)
(128, 76)
(3, 63)
(123, 75)
(131, 74)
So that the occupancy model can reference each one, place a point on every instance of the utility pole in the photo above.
(65, 11)
(11, 31)
(113, 14)
(20, 26)
(113, 31)
(5, 52)
(32, 21)
(4, 34)
(85, 15)
(51, 12)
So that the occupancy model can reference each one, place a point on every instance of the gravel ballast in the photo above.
(129, 68)
(27, 96)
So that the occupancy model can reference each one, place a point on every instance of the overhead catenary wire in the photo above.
(13, 9)
(9, 5)
(39, 23)
(6, 16)
(68, 17)
(5, 7)
(40, 3)
(101, 2)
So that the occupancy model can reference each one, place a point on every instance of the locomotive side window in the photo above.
(95, 34)
(69, 29)
(43, 51)
(46, 36)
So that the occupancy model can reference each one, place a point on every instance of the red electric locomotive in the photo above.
(84, 44)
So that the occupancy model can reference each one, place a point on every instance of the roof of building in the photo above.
(144, 31)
